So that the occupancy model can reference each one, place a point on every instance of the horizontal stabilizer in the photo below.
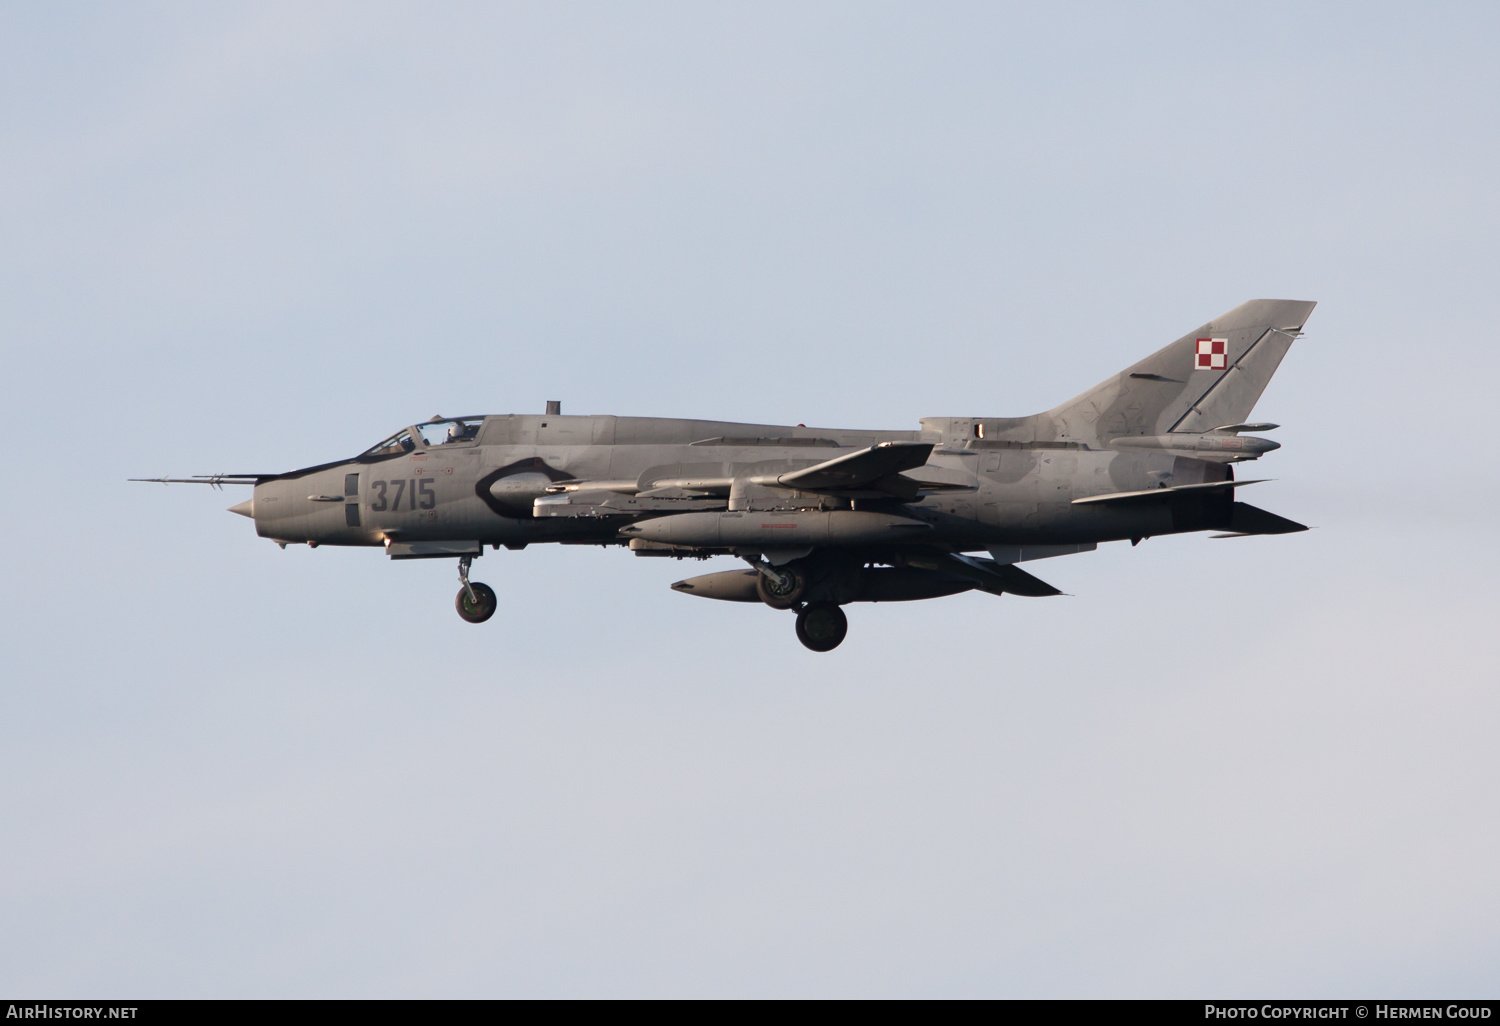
(1247, 520)
(1151, 494)
(856, 470)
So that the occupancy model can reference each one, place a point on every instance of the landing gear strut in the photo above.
(779, 587)
(821, 626)
(476, 602)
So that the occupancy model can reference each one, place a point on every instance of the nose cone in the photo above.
(245, 509)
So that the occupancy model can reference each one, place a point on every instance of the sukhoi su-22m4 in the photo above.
(823, 517)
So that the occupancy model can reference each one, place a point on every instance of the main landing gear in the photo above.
(821, 626)
(476, 602)
(780, 587)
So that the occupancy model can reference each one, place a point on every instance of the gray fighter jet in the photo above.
(822, 516)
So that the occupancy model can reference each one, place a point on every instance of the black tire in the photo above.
(821, 626)
(782, 598)
(481, 612)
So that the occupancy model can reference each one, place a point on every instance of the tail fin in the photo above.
(1206, 379)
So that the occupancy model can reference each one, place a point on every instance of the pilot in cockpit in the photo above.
(462, 431)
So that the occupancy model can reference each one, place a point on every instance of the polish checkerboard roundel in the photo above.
(1212, 354)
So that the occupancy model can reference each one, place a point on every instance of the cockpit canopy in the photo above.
(445, 432)
(394, 445)
(438, 431)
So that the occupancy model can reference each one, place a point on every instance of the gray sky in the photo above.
(248, 238)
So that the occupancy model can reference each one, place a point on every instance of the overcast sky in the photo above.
(248, 238)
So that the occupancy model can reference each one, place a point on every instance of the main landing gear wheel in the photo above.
(821, 626)
(784, 590)
(476, 602)
(481, 607)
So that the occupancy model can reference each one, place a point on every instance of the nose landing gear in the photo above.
(821, 626)
(476, 602)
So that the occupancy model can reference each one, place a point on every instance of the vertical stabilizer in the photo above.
(1210, 377)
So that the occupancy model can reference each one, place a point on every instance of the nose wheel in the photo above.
(821, 626)
(476, 602)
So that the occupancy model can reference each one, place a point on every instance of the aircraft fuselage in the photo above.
(981, 492)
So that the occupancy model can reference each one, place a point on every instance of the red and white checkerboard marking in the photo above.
(1213, 353)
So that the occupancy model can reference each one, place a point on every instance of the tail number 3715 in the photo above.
(388, 494)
